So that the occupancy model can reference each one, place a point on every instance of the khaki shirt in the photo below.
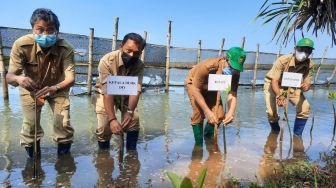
(287, 63)
(28, 59)
(112, 64)
(199, 74)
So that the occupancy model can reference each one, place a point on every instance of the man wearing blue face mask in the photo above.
(275, 95)
(42, 66)
(203, 102)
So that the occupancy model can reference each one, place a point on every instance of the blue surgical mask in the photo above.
(45, 41)
(229, 71)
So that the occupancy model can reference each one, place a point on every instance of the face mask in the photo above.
(301, 56)
(229, 71)
(127, 59)
(45, 41)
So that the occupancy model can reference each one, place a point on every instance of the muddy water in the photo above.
(166, 144)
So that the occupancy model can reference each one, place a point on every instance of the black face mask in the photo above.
(128, 60)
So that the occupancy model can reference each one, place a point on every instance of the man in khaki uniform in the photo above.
(122, 62)
(41, 64)
(203, 102)
(299, 62)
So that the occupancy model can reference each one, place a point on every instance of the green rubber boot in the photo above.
(209, 131)
(198, 134)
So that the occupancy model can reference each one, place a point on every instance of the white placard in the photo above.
(291, 79)
(219, 82)
(122, 85)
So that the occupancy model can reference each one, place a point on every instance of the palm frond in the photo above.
(304, 15)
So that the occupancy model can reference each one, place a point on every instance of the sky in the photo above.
(206, 20)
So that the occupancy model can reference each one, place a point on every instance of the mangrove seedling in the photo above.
(332, 96)
(185, 182)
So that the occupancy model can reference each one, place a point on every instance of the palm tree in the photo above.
(292, 15)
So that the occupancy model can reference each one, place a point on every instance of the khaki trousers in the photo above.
(210, 97)
(103, 130)
(295, 97)
(62, 130)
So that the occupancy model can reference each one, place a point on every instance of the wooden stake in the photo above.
(255, 68)
(221, 48)
(90, 63)
(279, 52)
(199, 51)
(243, 42)
(3, 73)
(168, 56)
(319, 66)
(115, 35)
(143, 51)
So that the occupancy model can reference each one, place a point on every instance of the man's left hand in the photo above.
(45, 91)
(228, 118)
(305, 86)
(127, 119)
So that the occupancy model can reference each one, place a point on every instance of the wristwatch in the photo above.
(130, 111)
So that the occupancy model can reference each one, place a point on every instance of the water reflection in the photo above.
(215, 164)
(65, 167)
(5, 142)
(269, 165)
(128, 170)
(166, 143)
(28, 173)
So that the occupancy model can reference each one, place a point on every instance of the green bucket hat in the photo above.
(236, 56)
(305, 42)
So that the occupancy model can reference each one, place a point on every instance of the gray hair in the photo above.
(46, 15)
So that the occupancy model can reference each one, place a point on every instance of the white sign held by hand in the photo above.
(122, 85)
(291, 79)
(219, 82)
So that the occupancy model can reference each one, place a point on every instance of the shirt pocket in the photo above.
(31, 69)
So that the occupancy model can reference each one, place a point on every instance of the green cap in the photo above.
(305, 42)
(236, 56)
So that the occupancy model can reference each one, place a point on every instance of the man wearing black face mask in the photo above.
(299, 62)
(122, 62)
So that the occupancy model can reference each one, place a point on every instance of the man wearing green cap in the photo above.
(203, 102)
(299, 62)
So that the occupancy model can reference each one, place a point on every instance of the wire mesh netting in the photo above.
(155, 58)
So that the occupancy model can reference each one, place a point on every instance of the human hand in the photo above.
(212, 119)
(128, 116)
(228, 118)
(26, 83)
(46, 91)
(115, 127)
(281, 101)
(305, 86)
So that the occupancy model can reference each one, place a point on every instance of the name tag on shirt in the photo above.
(290, 79)
(219, 82)
(122, 85)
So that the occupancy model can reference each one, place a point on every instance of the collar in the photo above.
(120, 61)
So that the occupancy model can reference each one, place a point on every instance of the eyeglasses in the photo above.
(48, 31)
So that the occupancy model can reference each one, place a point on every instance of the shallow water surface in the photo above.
(166, 143)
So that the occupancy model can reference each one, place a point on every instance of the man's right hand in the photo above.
(26, 83)
(115, 127)
(212, 119)
(281, 101)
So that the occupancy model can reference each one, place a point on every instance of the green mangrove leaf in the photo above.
(176, 180)
(186, 183)
(201, 178)
(332, 95)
